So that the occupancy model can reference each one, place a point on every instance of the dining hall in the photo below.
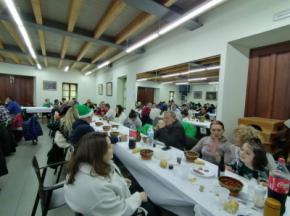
(144, 107)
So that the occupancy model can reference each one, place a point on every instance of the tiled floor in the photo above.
(20, 185)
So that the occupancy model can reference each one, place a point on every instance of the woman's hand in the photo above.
(229, 168)
(143, 196)
(128, 181)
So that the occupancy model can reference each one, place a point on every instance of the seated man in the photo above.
(82, 126)
(171, 132)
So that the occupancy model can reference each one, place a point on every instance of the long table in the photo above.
(173, 189)
(37, 109)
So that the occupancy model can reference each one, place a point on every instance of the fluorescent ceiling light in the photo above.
(15, 15)
(143, 79)
(197, 79)
(104, 64)
(190, 15)
(88, 73)
(191, 71)
(38, 66)
(66, 68)
(142, 42)
(182, 83)
(213, 83)
(213, 67)
(164, 83)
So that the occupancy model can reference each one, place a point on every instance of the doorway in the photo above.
(145, 95)
(21, 88)
(268, 89)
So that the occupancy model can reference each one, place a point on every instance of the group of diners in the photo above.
(95, 184)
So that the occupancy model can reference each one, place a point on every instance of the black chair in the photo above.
(51, 197)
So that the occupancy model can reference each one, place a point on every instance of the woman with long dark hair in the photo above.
(95, 185)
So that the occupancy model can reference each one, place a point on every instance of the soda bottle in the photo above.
(221, 168)
(278, 184)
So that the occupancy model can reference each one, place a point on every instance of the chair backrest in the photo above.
(35, 166)
(190, 130)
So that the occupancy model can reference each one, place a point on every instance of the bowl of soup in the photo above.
(234, 185)
(191, 156)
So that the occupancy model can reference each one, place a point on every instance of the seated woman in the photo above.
(120, 115)
(185, 115)
(252, 161)
(216, 145)
(95, 185)
(242, 134)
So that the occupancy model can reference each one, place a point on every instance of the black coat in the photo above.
(172, 135)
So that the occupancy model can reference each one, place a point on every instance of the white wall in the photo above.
(236, 19)
(86, 85)
(203, 88)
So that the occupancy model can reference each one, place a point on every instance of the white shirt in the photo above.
(155, 112)
(94, 195)
(110, 114)
(120, 119)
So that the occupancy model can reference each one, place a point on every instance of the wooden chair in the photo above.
(51, 197)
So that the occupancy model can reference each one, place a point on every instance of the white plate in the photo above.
(202, 172)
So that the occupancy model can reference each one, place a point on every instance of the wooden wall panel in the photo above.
(268, 89)
(21, 88)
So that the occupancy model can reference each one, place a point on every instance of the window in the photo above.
(69, 90)
(171, 95)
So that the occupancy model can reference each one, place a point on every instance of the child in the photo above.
(252, 161)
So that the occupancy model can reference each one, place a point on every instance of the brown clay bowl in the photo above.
(98, 124)
(146, 154)
(115, 126)
(191, 156)
(106, 128)
(234, 185)
(115, 133)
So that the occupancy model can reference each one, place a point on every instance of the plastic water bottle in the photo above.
(150, 134)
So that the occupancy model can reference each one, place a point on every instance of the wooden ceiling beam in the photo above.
(110, 15)
(14, 34)
(12, 56)
(36, 7)
(75, 7)
(131, 28)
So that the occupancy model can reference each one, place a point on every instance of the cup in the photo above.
(222, 194)
(132, 144)
(259, 196)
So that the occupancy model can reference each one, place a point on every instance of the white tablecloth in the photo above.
(205, 124)
(37, 109)
(172, 189)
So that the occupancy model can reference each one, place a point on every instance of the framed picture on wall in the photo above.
(100, 89)
(49, 85)
(211, 95)
(197, 94)
(109, 87)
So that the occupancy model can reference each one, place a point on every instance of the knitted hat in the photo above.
(84, 111)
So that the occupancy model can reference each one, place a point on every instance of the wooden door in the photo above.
(21, 88)
(145, 95)
(268, 91)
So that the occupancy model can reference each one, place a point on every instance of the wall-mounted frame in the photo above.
(100, 89)
(109, 88)
(211, 95)
(197, 94)
(49, 85)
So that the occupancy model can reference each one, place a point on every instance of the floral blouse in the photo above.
(241, 169)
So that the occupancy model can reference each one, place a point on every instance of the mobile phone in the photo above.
(165, 148)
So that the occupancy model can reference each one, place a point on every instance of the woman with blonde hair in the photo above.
(67, 121)
(242, 134)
